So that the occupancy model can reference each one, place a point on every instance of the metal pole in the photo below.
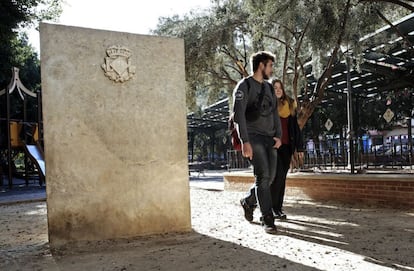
(24, 127)
(213, 141)
(350, 132)
(410, 134)
(40, 120)
(1, 172)
(192, 136)
(9, 147)
(39, 116)
(410, 142)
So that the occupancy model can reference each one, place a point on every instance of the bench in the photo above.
(197, 167)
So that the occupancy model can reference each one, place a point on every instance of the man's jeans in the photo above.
(264, 168)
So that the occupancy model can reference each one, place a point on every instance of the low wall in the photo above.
(389, 190)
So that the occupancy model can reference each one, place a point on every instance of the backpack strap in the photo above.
(261, 95)
(248, 83)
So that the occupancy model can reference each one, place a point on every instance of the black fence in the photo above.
(235, 160)
(334, 154)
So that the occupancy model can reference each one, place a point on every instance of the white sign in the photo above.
(388, 115)
(328, 124)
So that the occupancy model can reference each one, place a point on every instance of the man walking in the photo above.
(257, 120)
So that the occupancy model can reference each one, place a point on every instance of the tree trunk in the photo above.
(305, 112)
(308, 106)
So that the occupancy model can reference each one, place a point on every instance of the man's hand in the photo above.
(247, 150)
(278, 142)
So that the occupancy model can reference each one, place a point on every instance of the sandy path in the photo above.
(316, 237)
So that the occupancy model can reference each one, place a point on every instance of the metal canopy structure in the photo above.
(388, 65)
(388, 62)
(213, 117)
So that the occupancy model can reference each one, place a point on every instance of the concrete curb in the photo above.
(20, 201)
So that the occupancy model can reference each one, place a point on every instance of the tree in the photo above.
(15, 15)
(300, 32)
(216, 49)
(317, 32)
(15, 51)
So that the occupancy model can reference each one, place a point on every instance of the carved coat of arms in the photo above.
(117, 64)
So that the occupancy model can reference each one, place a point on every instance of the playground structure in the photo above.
(21, 151)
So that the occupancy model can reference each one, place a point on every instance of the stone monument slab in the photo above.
(115, 134)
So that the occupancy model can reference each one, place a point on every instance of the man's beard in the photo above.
(265, 76)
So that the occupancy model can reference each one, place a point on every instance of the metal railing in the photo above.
(334, 154)
(235, 160)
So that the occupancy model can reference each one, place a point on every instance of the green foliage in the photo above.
(400, 102)
(14, 48)
(24, 56)
(368, 112)
(214, 42)
(297, 31)
(21, 13)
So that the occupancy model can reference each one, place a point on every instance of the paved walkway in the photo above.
(316, 236)
(209, 180)
(21, 193)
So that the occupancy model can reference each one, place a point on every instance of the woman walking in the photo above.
(291, 141)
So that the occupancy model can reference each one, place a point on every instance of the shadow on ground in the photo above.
(316, 236)
(383, 236)
(190, 251)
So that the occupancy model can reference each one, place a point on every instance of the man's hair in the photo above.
(261, 57)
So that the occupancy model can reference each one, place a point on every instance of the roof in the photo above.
(213, 117)
(388, 65)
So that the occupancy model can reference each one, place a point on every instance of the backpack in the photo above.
(235, 140)
(252, 114)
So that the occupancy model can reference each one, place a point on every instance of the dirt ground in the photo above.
(316, 236)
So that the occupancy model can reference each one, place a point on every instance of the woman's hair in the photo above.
(285, 97)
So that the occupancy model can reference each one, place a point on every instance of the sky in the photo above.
(120, 15)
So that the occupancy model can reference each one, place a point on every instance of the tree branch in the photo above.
(297, 50)
(397, 2)
(285, 63)
(409, 44)
(326, 76)
(302, 68)
(285, 27)
(279, 40)
(220, 76)
(242, 70)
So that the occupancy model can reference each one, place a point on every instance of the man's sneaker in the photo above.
(270, 229)
(248, 211)
(280, 215)
(268, 224)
